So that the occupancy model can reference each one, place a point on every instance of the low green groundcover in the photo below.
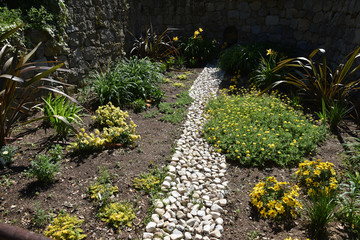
(260, 131)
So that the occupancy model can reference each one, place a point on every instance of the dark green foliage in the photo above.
(320, 211)
(198, 50)
(129, 80)
(154, 46)
(17, 89)
(263, 74)
(243, 58)
(349, 201)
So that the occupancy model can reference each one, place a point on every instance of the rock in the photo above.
(150, 227)
(216, 233)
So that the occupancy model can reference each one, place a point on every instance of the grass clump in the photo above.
(61, 113)
(260, 130)
(129, 80)
(65, 227)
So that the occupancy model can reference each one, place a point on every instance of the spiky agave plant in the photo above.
(17, 91)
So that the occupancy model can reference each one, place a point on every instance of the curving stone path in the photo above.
(196, 182)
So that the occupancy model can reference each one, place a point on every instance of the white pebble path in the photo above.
(196, 182)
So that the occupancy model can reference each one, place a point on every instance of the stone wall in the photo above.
(98, 29)
(304, 24)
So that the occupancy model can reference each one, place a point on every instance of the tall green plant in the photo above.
(154, 46)
(318, 80)
(130, 80)
(16, 89)
(61, 113)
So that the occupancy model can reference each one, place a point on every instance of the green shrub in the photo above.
(9, 18)
(128, 81)
(61, 113)
(56, 153)
(263, 74)
(44, 169)
(260, 130)
(7, 153)
(244, 58)
(198, 50)
(40, 18)
(65, 227)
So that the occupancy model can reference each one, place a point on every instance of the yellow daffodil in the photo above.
(175, 39)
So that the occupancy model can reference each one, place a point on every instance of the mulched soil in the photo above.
(20, 199)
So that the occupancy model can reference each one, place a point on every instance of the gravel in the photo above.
(196, 184)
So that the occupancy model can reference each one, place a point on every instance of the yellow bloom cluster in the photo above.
(277, 200)
(317, 176)
(110, 116)
(96, 191)
(65, 227)
(116, 130)
(146, 182)
(117, 214)
(234, 81)
(197, 33)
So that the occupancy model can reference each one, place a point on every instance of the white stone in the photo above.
(219, 221)
(216, 233)
(216, 208)
(150, 227)
(188, 235)
(148, 235)
(176, 236)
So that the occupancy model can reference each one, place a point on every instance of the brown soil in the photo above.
(20, 199)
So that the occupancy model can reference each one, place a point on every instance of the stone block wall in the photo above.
(302, 24)
(97, 32)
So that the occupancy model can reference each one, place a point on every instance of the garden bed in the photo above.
(27, 203)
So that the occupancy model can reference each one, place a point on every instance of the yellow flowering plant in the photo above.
(117, 130)
(317, 177)
(197, 49)
(275, 200)
(65, 227)
(117, 214)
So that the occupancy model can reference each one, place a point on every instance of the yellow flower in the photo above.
(196, 33)
(269, 52)
(200, 30)
(175, 39)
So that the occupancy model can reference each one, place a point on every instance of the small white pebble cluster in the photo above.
(196, 183)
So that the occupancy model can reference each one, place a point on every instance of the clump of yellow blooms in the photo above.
(146, 182)
(117, 214)
(275, 200)
(65, 227)
(98, 190)
(116, 129)
(316, 177)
